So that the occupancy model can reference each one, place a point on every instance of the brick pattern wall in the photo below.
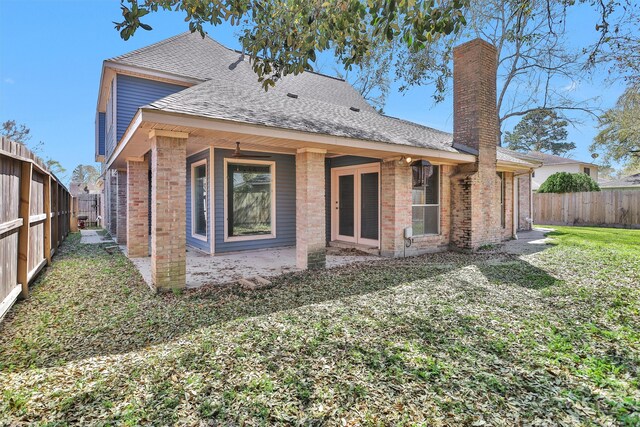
(524, 202)
(138, 208)
(310, 210)
(121, 209)
(112, 179)
(168, 212)
(476, 187)
(395, 206)
(507, 231)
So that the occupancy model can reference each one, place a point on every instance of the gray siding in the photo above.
(285, 204)
(192, 241)
(337, 162)
(100, 131)
(133, 93)
(110, 127)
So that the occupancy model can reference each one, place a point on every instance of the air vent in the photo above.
(292, 95)
(354, 109)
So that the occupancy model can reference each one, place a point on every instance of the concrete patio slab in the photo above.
(204, 269)
(528, 242)
(91, 237)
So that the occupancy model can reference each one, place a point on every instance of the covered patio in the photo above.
(204, 269)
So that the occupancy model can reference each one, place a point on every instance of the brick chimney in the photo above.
(475, 187)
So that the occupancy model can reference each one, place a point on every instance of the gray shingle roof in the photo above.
(230, 91)
(551, 159)
(628, 181)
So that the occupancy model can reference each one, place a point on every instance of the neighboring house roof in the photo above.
(628, 181)
(551, 159)
(308, 102)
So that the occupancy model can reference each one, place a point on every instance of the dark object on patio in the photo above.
(111, 249)
(82, 221)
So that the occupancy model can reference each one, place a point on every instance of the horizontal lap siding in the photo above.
(337, 162)
(133, 93)
(192, 241)
(285, 204)
(101, 133)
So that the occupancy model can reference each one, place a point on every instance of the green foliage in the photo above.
(85, 175)
(16, 132)
(540, 130)
(619, 136)
(564, 182)
(283, 37)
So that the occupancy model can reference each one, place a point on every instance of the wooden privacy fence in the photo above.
(607, 208)
(35, 218)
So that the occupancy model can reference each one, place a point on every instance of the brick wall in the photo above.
(168, 212)
(138, 208)
(310, 209)
(524, 202)
(507, 231)
(475, 188)
(121, 208)
(112, 180)
(395, 206)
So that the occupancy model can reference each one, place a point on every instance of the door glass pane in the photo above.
(369, 206)
(346, 194)
(249, 199)
(200, 200)
(425, 220)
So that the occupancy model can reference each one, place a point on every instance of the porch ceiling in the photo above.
(136, 141)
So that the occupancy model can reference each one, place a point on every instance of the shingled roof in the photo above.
(551, 159)
(627, 181)
(309, 102)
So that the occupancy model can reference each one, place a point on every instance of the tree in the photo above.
(535, 59)
(540, 130)
(619, 136)
(283, 37)
(20, 133)
(84, 175)
(372, 77)
(564, 182)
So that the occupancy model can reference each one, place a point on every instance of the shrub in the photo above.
(565, 182)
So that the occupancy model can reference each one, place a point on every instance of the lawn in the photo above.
(451, 339)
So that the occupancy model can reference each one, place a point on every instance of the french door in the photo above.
(355, 207)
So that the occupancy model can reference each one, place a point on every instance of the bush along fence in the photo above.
(35, 217)
(608, 208)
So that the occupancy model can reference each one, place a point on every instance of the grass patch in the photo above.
(549, 338)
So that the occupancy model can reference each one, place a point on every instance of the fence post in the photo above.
(23, 233)
(73, 215)
(47, 221)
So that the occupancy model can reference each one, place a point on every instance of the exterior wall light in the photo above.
(421, 172)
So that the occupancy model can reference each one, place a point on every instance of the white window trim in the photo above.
(438, 205)
(195, 235)
(272, 166)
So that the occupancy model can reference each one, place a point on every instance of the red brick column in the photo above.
(310, 209)
(395, 179)
(121, 207)
(168, 209)
(138, 208)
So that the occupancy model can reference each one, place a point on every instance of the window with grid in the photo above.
(426, 205)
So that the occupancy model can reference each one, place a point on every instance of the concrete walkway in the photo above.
(91, 237)
(528, 242)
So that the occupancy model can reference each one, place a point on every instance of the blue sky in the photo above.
(51, 54)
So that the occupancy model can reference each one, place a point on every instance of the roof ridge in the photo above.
(149, 47)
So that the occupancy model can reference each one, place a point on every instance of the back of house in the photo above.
(196, 154)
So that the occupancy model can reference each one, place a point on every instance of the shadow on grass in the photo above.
(91, 303)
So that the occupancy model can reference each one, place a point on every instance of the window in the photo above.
(250, 200)
(502, 196)
(426, 205)
(199, 200)
(587, 171)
